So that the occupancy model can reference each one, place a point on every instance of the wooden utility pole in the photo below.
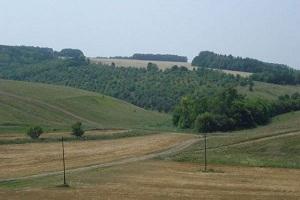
(205, 158)
(64, 165)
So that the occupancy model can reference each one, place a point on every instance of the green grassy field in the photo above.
(268, 90)
(274, 145)
(23, 104)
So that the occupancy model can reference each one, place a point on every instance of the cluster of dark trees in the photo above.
(22, 55)
(150, 88)
(223, 109)
(36, 131)
(155, 57)
(262, 71)
(160, 57)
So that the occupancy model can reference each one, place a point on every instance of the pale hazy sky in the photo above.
(262, 29)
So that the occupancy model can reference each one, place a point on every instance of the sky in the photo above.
(268, 30)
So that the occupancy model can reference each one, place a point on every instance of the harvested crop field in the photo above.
(19, 160)
(165, 180)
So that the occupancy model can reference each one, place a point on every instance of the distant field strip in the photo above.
(161, 64)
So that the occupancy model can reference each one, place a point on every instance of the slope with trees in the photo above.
(262, 71)
(149, 88)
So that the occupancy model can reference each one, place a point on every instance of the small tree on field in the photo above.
(77, 129)
(34, 132)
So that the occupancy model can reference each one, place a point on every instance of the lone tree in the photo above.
(77, 129)
(35, 132)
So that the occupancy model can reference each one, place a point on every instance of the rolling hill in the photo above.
(55, 108)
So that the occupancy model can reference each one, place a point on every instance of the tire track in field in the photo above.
(57, 108)
(174, 149)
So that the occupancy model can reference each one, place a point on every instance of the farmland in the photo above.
(21, 159)
(164, 180)
(131, 153)
(161, 64)
(160, 166)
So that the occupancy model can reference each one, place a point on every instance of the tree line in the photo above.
(22, 55)
(154, 57)
(262, 71)
(224, 109)
(160, 57)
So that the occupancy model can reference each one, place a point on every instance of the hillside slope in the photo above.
(55, 108)
(274, 145)
(269, 90)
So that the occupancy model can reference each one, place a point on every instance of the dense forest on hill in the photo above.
(154, 57)
(262, 71)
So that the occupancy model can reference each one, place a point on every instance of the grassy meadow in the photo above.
(268, 90)
(273, 145)
(56, 108)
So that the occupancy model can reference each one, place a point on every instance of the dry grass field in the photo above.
(129, 168)
(34, 158)
(165, 180)
(161, 64)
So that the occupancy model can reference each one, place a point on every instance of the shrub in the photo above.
(206, 122)
(34, 132)
(77, 129)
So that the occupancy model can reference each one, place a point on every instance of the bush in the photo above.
(77, 129)
(34, 132)
(206, 122)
